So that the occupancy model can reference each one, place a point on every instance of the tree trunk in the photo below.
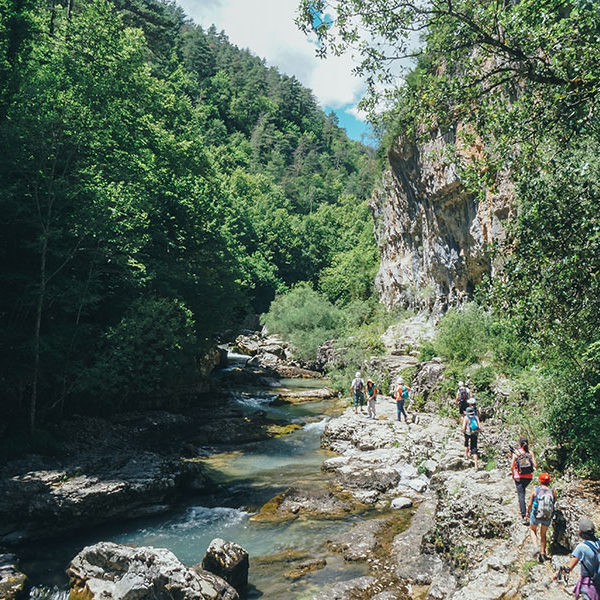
(36, 336)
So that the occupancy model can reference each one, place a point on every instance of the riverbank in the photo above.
(465, 540)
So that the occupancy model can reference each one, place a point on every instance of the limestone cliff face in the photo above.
(433, 235)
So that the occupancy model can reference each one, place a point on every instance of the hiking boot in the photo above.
(525, 521)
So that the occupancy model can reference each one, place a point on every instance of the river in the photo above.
(248, 475)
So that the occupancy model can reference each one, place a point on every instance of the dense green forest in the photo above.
(156, 185)
(519, 79)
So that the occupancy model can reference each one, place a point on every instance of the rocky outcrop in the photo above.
(12, 581)
(228, 561)
(433, 234)
(272, 353)
(48, 502)
(108, 571)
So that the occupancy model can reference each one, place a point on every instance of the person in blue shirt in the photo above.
(586, 553)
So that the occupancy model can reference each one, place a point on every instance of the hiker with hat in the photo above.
(462, 396)
(522, 468)
(371, 398)
(540, 511)
(471, 428)
(357, 389)
(587, 554)
(402, 394)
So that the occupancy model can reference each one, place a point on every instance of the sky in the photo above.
(267, 28)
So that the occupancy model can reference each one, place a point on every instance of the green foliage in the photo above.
(149, 353)
(305, 318)
(150, 166)
(464, 334)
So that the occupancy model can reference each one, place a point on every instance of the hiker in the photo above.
(357, 389)
(371, 398)
(587, 554)
(522, 468)
(401, 397)
(540, 511)
(462, 396)
(471, 428)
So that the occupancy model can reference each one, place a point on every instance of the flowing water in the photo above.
(248, 476)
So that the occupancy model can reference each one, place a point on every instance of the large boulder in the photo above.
(110, 571)
(228, 561)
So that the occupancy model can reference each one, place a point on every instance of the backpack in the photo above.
(404, 392)
(463, 395)
(473, 424)
(545, 504)
(594, 569)
(358, 385)
(524, 463)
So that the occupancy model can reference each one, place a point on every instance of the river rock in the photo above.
(296, 501)
(229, 561)
(305, 567)
(110, 571)
(349, 589)
(359, 542)
(401, 502)
(300, 396)
(12, 581)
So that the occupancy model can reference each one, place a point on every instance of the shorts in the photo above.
(471, 442)
(359, 399)
(535, 521)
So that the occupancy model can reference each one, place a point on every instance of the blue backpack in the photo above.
(404, 392)
(473, 424)
(595, 567)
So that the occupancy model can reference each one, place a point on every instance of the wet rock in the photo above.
(228, 561)
(300, 396)
(358, 543)
(295, 502)
(110, 571)
(12, 581)
(348, 589)
(303, 568)
(43, 503)
(401, 502)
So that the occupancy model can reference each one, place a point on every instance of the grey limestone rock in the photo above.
(110, 571)
(228, 561)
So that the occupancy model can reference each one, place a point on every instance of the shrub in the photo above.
(464, 334)
(305, 318)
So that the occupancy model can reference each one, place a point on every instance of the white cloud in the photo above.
(267, 28)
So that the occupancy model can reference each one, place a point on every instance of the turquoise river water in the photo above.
(248, 476)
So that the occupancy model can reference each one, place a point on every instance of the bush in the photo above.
(464, 334)
(305, 318)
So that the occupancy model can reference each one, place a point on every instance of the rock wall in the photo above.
(432, 233)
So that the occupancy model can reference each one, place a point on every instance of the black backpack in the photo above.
(524, 463)
(463, 395)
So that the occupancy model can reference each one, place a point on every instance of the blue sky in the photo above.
(277, 39)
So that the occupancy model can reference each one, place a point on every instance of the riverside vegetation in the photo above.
(156, 184)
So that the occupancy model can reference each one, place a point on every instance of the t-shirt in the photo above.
(372, 391)
(586, 557)
(358, 385)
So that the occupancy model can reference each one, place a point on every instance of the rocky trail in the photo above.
(428, 525)
(465, 540)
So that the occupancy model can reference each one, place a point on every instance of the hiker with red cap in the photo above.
(540, 512)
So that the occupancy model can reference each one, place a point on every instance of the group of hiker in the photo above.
(367, 394)
(537, 512)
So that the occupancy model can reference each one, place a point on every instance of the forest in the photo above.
(157, 185)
